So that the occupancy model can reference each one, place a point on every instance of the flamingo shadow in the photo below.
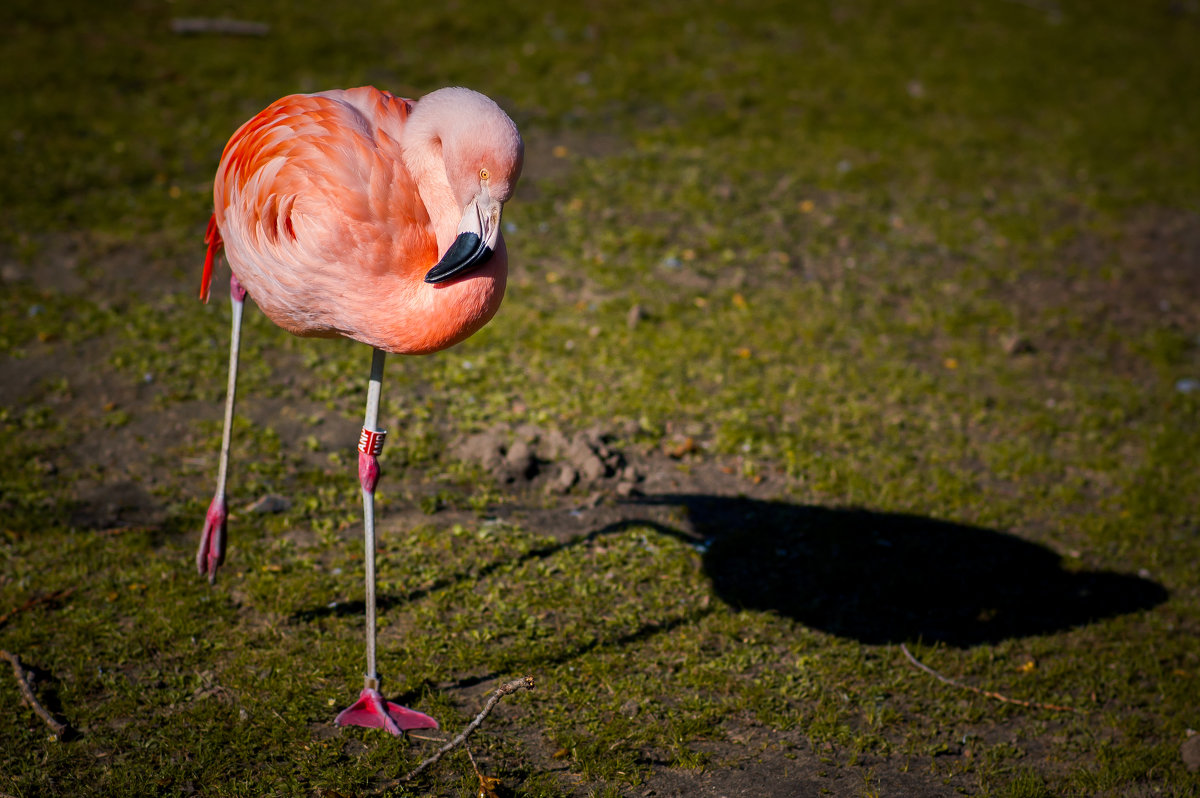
(870, 576)
(888, 577)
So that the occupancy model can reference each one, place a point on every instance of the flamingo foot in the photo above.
(371, 711)
(211, 553)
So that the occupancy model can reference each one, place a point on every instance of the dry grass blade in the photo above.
(988, 693)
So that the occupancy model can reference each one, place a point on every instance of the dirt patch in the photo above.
(107, 271)
(1157, 275)
(549, 156)
(530, 455)
(1145, 277)
(778, 770)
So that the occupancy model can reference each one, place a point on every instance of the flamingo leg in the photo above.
(211, 553)
(371, 710)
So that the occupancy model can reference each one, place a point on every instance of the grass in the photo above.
(834, 222)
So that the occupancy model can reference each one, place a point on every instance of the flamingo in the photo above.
(360, 214)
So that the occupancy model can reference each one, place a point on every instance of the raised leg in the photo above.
(371, 709)
(211, 553)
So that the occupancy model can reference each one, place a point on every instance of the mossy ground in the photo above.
(939, 262)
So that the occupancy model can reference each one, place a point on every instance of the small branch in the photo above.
(33, 602)
(467, 751)
(505, 689)
(988, 693)
(188, 26)
(126, 530)
(58, 728)
(487, 784)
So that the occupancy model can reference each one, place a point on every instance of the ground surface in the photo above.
(829, 330)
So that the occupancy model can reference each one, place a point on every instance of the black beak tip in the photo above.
(467, 251)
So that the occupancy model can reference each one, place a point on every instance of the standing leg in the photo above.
(212, 540)
(370, 444)
(371, 710)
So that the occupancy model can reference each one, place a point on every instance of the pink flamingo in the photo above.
(356, 213)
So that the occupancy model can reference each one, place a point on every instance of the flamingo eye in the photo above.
(484, 174)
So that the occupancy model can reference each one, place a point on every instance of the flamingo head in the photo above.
(483, 155)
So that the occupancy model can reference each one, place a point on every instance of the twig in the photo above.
(988, 693)
(467, 751)
(58, 728)
(505, 689)
(122, 530)
(36, 600)
(1053, 12)
(186, 26)
(487, 784)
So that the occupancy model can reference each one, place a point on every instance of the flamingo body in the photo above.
(360, 214)
(332, 208)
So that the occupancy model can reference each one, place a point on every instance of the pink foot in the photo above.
(371, 711)
(212, 540)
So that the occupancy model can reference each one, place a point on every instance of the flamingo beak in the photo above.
(478, 233)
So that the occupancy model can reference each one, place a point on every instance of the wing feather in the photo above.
(314, 205)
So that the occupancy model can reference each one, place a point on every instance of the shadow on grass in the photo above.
(890, 578)
(874, 577)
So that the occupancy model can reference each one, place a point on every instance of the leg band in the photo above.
(371, 441)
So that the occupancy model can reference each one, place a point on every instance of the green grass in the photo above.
(831, 218)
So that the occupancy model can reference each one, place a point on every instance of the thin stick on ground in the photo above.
(189, 26)
(57, 595)
(487, 784)
(525, 683)
(471, 758)
(988, 693)
(58, 728)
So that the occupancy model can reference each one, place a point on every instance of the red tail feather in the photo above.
(212, 237)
